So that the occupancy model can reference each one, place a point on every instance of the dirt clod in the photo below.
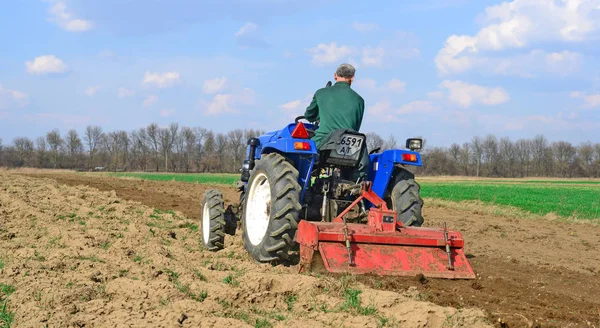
(182, 318)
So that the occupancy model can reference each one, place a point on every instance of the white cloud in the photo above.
(46, 64)
(517, 25)
(246, 29)
(393, 85)
(123, 92)
(246, 97)
(214, 85)
(164, 80)
(368, 84)
(372, 56)
(90, 91)
(291, 106)
(150, 100)
(418, 106)
(66, 21)
(390, 51)
(435, 95)
(247, 36)
(383, 55)
(364, 27)
(167, 112)
(330, 53)
(221, 104)
(297, 107)
(589, 100)
(228, 103)
(396, 85)
(465, 95)
(10, 98)
(383, 111)
(530, 65)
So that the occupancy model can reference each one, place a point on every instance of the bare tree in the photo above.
(465, 155)
(153, 141)
(390, 143)
(209, 151)
(221, 149)
(585, 154)
(74, 147)
(374, 141)
(181, 148)
(55, 142)
(238, 145)
(166, 138)
(24, 148)
(201, 134)
(524, 155)
(507, 157)
(564, 157)
(490, 154)
(139, 148)
(92, 137)
(477, 147)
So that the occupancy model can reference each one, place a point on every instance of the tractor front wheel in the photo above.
(271, 209)
(213, 220)
(404, 198)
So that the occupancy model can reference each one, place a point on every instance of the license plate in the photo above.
(349, 145)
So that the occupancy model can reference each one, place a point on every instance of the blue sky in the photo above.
(444, 70)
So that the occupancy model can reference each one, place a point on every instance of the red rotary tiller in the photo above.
(383, 245)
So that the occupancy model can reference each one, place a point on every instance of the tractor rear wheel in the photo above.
(213, 220)
(271, 209)
(404, 198)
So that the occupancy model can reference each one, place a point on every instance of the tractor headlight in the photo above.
(414, 144)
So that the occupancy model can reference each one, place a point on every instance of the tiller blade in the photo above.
(383, 246)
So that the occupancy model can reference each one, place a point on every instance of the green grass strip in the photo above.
(204, 178)
(568, 202)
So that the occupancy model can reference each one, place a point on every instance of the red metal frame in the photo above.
(383, 245)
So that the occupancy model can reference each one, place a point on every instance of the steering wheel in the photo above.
(302, 117)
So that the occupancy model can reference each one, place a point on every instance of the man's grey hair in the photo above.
(345, 71)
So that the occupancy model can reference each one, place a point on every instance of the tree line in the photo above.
(176, 148)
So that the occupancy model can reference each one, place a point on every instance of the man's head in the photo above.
(344, 73)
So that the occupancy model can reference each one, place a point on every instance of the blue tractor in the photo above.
(285, 179)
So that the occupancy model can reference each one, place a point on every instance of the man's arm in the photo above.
(361, 111)
(312, 111)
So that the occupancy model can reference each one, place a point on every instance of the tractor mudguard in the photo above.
(382, 166)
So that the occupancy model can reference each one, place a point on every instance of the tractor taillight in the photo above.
(409, 157)
(300, 131)
(301, 146)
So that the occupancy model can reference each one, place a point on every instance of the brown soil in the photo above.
(80, 257)
(531, 273)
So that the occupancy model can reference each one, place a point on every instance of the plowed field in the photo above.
(83, 250)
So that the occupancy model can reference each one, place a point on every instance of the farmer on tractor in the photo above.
(338, 108)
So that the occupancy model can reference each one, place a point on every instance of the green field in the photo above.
(565, 198)
(208, 178)
(573, 199)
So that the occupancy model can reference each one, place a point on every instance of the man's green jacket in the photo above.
(337, 107)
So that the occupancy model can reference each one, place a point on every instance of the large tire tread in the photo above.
(285, 209)
(214, 200)
(405, 198)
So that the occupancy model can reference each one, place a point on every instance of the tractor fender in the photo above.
(382, 166)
